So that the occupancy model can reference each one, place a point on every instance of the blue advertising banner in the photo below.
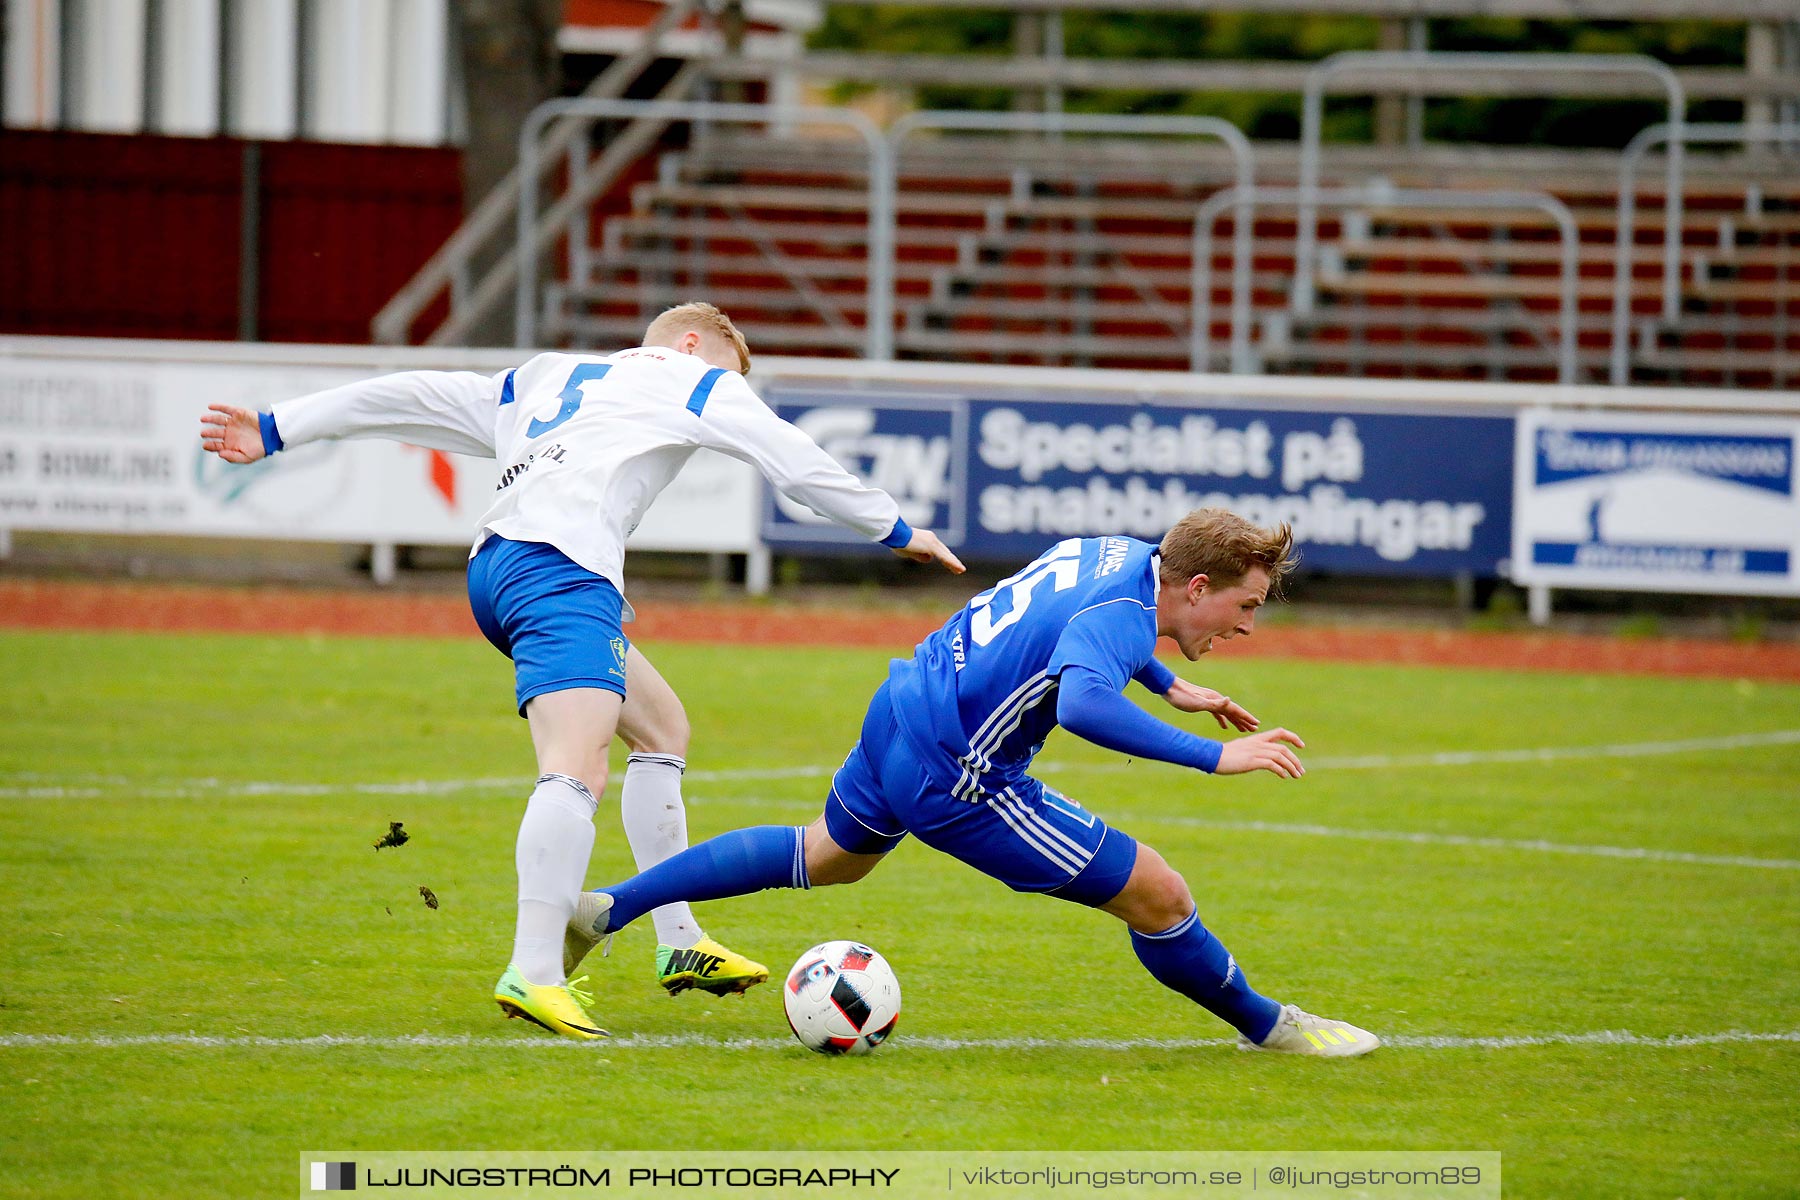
(1366, 493)
(912, 448)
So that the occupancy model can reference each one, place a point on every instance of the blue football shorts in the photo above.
(559, 623)
(1030, 837)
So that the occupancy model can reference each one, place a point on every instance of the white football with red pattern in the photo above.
(841, 998)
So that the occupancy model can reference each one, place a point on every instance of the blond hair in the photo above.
(1223, 546)
(698, 317)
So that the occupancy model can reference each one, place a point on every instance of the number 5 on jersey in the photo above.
(1061, 564)
(570, 397)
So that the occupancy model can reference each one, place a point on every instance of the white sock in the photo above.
(656, 826)
(555, 839)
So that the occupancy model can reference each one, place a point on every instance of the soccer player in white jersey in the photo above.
(949, 738)
(588, 442)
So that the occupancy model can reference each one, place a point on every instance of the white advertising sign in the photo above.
(1657, 503)
(113, 447)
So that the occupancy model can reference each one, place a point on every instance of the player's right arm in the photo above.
(735, 421)
(1108, 645)
(440, 410)
(1272, 751)
(1089, 705)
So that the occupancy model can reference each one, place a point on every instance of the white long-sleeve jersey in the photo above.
(589, 441)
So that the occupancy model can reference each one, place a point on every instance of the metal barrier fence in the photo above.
(1243, 158)
(1208, 213)
(1677, 137)
(1465, 71)
(880, 331)
(1511, 70)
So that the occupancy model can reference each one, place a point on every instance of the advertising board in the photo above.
(1366, 492)
(113, 447)
(1642, 502)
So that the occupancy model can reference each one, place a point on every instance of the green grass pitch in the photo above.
(151, 890)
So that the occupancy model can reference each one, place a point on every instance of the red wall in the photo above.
(114, 236)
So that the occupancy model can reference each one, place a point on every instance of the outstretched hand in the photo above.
(1192, 698)
(1263, 752)
(232, 433)
(926, 547)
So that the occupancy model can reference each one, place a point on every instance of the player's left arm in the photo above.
(735, 421)
(1192, 698)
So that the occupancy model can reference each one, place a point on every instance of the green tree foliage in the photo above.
(1226, 36)
(1575, 122)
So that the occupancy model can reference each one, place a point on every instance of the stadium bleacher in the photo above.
(1075, 251)
(1059, 249)
(1012, 251)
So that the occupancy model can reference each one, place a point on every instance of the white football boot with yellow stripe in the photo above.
(1299, 1032)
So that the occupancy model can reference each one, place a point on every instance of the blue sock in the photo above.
(732, 864)
(1190, 960)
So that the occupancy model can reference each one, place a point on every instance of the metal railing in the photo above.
(1675, 136)
(1243, 159)
(1464, 72)
(1200, 335)
(533, 237)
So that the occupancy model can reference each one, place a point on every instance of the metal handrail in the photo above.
(1061, 122)
(632, 143)
(1625, 218)
(881, 226)
(1447, 62)
(392, 323)
(1200, 335)
(769, 249)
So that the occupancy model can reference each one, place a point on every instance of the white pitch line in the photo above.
(1544, 754)
(88, 789)
(1539, 754)
(38, 787)
(758, 773)
(1535, 845)
(1604, 1037)
(216, 787)
(1636, 853)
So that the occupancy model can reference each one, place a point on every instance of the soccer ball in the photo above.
(841, 998)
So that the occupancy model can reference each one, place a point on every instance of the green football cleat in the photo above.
(709, 967)
(586, 929)
(560, 1008)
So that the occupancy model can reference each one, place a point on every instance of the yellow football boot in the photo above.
(560, 1008)
(708, 966)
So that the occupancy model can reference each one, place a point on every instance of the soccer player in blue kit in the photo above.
(949, 737)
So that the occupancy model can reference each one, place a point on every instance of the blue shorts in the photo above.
(1030, 837)
(559, 623)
